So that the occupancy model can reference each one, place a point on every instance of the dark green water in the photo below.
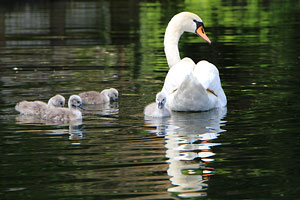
(250, 150)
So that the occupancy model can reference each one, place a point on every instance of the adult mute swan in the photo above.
(190, 86)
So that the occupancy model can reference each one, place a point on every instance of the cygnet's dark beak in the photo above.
(115, 99)
(81, 106)
(160, 105)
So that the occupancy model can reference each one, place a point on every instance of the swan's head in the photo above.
(112, 93)
(161, 99)
(189, 22)
(57, 101)
(75, 102)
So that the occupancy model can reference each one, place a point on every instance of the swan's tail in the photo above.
(191, 96)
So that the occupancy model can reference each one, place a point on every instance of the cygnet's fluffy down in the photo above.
(38, 107)
(66, 114)
(93, 97)
(158, 109)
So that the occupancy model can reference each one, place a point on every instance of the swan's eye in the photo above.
(198, 23)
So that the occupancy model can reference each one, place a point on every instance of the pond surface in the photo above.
(249, 150)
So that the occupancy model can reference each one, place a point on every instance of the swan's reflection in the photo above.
(189, 138)
(74, 127)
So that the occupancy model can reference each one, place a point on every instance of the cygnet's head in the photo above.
(161, 99)
(112, 93)
(189, 22)
(57, 101)
(75, 102)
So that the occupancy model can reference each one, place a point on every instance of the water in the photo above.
(249, 150)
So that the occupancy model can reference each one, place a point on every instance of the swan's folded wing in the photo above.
(177, 74)
(208, 75)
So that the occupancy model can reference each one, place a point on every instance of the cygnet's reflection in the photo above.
(189, 138)
(75, 132)
(103, 109)
(74, 127)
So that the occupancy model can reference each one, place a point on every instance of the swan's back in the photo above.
(38, 107)
(91, 97)
(31, 107)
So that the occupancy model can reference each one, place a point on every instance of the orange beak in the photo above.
(200, 31)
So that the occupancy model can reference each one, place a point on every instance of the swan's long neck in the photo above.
(50, 102)
(172, 35)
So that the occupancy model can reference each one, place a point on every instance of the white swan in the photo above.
(66, 114)
(158, 109)
(93, 97)
(39, 108)
(190, 86)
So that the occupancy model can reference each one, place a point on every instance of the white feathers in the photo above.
(189, 87)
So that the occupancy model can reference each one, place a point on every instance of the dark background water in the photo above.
(250, 150)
